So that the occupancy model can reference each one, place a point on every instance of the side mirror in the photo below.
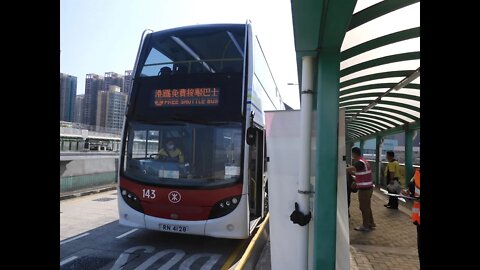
(251, 135)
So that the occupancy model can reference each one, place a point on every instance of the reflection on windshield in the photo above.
(184, 154)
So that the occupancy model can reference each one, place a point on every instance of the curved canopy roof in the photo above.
(379, 63)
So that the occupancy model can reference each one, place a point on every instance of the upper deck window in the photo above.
(211, 49)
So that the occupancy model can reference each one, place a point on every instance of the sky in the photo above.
(98, 36)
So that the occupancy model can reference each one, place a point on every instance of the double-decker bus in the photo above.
(204, 88)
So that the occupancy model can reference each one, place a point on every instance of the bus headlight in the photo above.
(132, 200)
(224, 207)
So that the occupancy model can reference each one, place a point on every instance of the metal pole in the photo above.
(305, 149)
(325, 212)
(408, 154)
(378, 152)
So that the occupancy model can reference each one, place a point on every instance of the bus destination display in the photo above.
(185, 97)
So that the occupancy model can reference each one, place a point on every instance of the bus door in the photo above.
(256, 175)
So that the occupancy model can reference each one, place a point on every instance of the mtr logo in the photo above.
(174, 197)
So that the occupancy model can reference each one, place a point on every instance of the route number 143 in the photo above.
(149, 193)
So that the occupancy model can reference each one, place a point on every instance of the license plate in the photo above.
(173, 228)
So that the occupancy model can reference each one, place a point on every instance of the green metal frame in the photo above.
(364, 126)
(380, 61)
(385, 102)
(386, 117)
(375, 95)
(376, 76)
(385, 109)
(408, 154)
(355, 134)
(402, 128)
(358, 131)
(326, 177)
(377, 159)
(386, 122)
(369, 124)
(376, 86)
(373, 122)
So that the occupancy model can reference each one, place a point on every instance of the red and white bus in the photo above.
(204, 88)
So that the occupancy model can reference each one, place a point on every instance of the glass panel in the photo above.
(152, 143)
(409, 91)
(185, 154)
(385, 80)
(376, 90)
(372, 113)
(369, 149)
(401, 109)
(410, 45)
(252, 176)
(66, 145)
(395, 143)
(413, 103)
(264, 83)
(139, 144)
(403, 65)
(416, 147)
(363, 4)
(195, 50)
(401, 19)
(74, 145)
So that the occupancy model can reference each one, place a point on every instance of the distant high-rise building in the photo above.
(111, 108)
(127, 82)
(112, 78)
(93, 84)
(68, 92)
(102, 107)
(79, 109)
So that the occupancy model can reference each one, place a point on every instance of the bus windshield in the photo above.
(183, 154)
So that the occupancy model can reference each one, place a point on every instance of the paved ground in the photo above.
(393, 245)
(85, 213)
(92, 238)
(264, 262)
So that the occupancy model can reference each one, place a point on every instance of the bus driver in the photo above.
(171, 153)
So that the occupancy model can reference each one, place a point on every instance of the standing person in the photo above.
(392, 174)
(414, 190)
(363, 182)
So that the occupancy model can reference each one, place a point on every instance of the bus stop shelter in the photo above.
(364, 56)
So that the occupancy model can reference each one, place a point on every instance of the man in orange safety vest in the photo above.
(414, 190)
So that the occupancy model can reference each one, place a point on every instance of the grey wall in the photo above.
(87, 166)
